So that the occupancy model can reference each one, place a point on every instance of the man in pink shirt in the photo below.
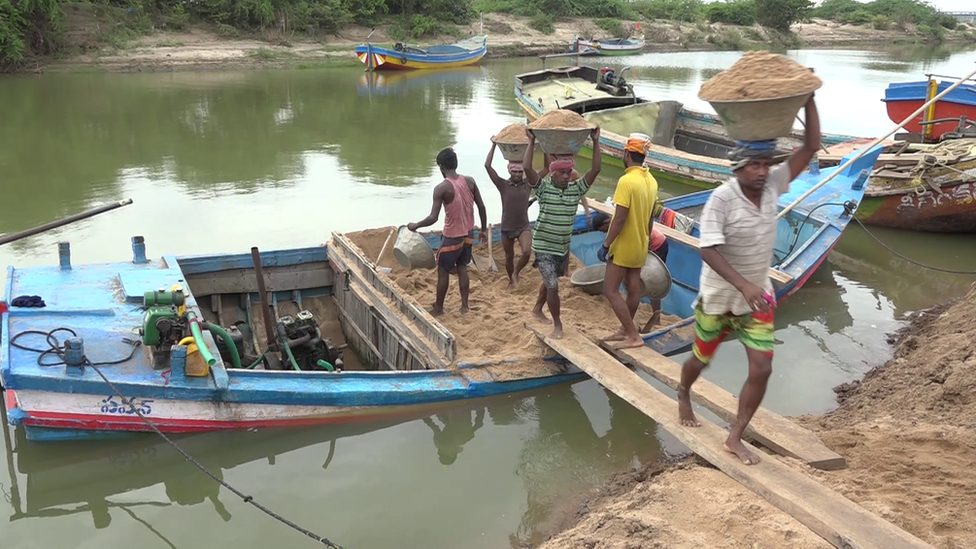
(458, 194)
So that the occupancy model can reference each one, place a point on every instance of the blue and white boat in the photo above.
(138, 322)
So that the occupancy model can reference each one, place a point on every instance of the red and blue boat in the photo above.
(403, 57)
(903, 98)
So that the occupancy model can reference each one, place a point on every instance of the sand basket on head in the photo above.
(760, 119)
(560, 141)
(412, 251)
(561, 132)
(512, 141)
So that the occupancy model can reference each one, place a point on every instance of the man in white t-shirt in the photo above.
(738, 231)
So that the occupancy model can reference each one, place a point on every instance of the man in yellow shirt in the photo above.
(625, 247)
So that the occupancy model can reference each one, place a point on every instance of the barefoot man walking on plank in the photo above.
(738, 230)
(515, 194)
(558, 194)
(457, 194)
(625, 248)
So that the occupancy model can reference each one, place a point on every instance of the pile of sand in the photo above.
(494, 328)
(908, 430)
(686, 506)
(513, 134)
(908, 434)
(560, 119)
(760, 75)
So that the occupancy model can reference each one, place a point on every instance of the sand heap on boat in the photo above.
(760, 75)
(494, 329)
(907, 431)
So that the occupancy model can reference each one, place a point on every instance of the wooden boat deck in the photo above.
(832, 516)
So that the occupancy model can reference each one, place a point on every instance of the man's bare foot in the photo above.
(436, 311)
(616, 336)
(464, 309)
(630, 343)
(540, 316)
(685, 414)
(738, 448)
(511, 283)
(557, 332)
(515, 281)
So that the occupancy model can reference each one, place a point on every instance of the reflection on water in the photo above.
(219, 162)
(562, 458)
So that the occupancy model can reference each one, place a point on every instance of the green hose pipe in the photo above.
(325, 364)
(235, 357)
(291, 357)
(198, 339)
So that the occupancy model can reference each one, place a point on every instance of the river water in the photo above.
(220, 162)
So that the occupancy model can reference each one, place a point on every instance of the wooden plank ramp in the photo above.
(772, 430)
(835, 518)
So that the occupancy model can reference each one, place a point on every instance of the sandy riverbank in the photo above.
(908, 432)
(201, 48)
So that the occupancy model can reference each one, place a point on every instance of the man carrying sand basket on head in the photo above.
(738, 231)
(559, 195)
(628, 239)
(515, 194)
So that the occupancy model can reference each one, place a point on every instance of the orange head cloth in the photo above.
(638, 143)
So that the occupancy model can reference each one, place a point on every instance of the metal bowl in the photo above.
(590, 279)
(412, 251)
(655, 278)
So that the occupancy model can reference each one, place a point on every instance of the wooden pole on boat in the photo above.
(385, 246)
(61, 222)
(871, 145)
(263, 296)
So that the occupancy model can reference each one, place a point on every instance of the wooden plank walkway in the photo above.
(772, 430)
(832, 516)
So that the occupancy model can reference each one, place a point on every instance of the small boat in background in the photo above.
(403, 57)
(609, 46)
(903, 98)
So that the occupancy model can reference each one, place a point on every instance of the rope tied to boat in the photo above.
(57, 349)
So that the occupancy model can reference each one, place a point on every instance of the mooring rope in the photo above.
(910, 260)
(57, 350)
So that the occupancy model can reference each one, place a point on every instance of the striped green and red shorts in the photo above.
(754, 330)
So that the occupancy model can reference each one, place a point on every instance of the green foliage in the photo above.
(780, 14)
(28, 27)
(542, 23)
(857, 17)
(753, 34)
(227, 31)
(676, 10)
(727, 39)
(880, 22)
(900, 12)
(733, 12)
(613, 27)
(416, 27)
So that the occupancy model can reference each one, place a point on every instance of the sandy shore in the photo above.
(908, 432)
(508, 36)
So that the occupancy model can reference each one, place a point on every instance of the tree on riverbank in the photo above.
(32, 28)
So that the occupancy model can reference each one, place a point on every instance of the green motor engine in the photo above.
(161, 324)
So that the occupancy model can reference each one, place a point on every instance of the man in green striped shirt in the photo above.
(558, 195)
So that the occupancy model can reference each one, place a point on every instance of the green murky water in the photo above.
(219, 162)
